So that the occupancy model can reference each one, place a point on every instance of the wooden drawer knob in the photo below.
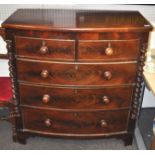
(48, 122)
(109, 51)
(76, 67)
(46, 98)
(44, 73)
(103, 123)
(107, 75)
(105, 99)
(43, 48)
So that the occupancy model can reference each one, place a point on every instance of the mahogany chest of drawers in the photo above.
(76, 73)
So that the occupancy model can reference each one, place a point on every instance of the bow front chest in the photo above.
(76, 73)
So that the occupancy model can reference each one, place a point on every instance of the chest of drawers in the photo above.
(76, 73)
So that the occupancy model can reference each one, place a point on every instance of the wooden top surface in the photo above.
(77, 20)
(150, 80)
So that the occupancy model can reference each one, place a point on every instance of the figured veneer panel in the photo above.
(74, 98)
(53, 121)
(108, 50)
(39, 48)
(76, 74)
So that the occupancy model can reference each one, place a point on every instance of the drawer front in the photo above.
(70, 98)
(76, 74)
(39, 48)
(74, 122)
(109, 50)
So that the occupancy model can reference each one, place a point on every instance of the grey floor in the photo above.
(37, 143)
(146, 117)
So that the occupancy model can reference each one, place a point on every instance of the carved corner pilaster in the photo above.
(12, 69)
(14, 114)
(139, 82)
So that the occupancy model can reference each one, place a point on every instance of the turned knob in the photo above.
(107, 75)
(46, 98)
(76, 67)
(43, 48)
(48, 122)
(103, 123)
(44, 74)
(109, 51)
(105, 99)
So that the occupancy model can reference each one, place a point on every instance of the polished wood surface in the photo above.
(108, 50)
(75, 98)
(76, 74)
(74, 122)
(77, 36)
(52, 49)
(88, 50)
(77, 20)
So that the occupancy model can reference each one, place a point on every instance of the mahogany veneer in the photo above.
(54, 49)
(76, 73)
(72, 123)
(108, 50)
(74, 98)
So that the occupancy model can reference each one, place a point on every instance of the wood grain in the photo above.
(76, 74)
(79, 20)
(75, 122)
(74, 98)
(123, 50)
(57, 49)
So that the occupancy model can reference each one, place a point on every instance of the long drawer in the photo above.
(108, 50)
(62, 122)
(72, 98)
(47, 72)
(39, 48)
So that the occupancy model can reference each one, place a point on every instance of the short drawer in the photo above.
(108, 50)
(76, 74)
(72, 98)
(39, 48)
(63, 122)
